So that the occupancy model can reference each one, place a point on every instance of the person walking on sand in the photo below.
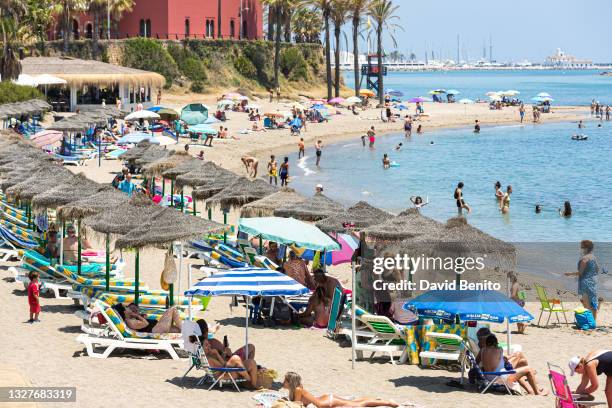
(301, 148)
(504, 204)
(273, 170)
(319, 151)
(271, 94)
(284, 172)
(250, 163)
(522, 112)
(408, 126)
(607, 112)
(159, 96)
(593, 107)
(34, 297)
(372, 137)
(461, 205)
(588, 269)
(515, 294)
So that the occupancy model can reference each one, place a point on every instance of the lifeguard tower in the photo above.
(370, 72)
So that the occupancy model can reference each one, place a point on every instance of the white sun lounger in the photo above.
(120, 336)
(57, 287)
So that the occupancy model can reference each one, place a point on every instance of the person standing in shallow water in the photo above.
(284, 172)
(273, 170)
(461, 205)
(318, 151)
(522, 112)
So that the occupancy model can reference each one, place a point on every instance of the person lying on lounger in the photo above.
(225, 359)
(169, 322)
(297, 393)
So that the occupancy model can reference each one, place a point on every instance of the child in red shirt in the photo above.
(34, 297)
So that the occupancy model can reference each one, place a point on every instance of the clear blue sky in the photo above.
(521, 29)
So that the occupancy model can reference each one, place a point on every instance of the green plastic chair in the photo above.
(552, 306)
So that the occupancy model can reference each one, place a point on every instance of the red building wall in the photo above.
(167, 19)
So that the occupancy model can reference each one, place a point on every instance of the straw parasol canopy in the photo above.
(152, 154)
(39, 181)
(408, 224)
(136, 151)
(173, 159)
(359, 216)
(204, 175)
(24, 108)
(213, 186)
(79, 72)
(167, 227)
(71, 189)
(265, 207)
(240, 192)
(123, 218)
(314, 208)
(183, 168)
(107, 198)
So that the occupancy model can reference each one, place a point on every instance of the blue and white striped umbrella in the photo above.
(247, 282)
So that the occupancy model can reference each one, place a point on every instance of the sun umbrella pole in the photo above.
(194, 206)
(180, 270)
(172, 193)
(353, 325)
(182, 201)
(225, 223)
(210, 214)
(260, 245)
(61, 260)
(246, 345)
(508, 334)
(107, 263)
(163, 187)
(100, 150)
(137, 276)
(79, 262)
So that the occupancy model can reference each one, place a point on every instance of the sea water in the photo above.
(541, 162)
(571, 87)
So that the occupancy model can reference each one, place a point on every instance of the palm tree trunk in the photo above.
(67, 30)
(287, 23)
(277, 47)
(328, 70)
(337, 32)
(219, 25)
(271, 22)
(95, 39)
(356, 21)
(381, 88)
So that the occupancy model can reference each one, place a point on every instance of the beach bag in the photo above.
(286, 404)
(169, 274)
(584, 319)
(265, 378)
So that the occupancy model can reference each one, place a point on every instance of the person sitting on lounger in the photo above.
(225, 359)
(169, 322)
(317, 312)
(71, 245)
(219, 346)
(329, 283)
(52, 249)
(492, 359)
(297, 393)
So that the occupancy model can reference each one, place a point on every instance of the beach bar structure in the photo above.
(90, 82)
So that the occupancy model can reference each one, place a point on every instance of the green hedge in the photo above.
(150, 55)
(245, 67)
(293, 65)
(10, 92)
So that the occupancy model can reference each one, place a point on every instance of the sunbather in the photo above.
(169, 322)
(329, 283)
(218, 359)
(317, 312)
(297, 393)
(491, 358)
(71, 245)
(219, 346)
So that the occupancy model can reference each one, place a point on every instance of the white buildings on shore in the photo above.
(562, 60)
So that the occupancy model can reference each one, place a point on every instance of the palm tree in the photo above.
(277, 6)
(119, 7)
(357, 8)
(307, 25)
(38, 18)
(11, 12)
(325, 7)
(383, 13)
(338, 16)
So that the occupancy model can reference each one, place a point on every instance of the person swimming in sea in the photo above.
(477, 126)
(420, 130)
(504, 204)
(538, 209)
(386, 161)
(499, 194)
(418, 202)
(567, 210)
(399, 146)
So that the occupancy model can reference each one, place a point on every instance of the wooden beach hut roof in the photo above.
(173, 159)
(359, 216)
(314, 208)
(203, 175)
(166, 227)
(183, 168)
(408, 224)
(265, 207)
(240, 192)
(79, 72)
(107, 198)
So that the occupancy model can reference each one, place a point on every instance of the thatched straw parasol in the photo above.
(39, 181)
(240, 192)
(361, 215)
(265, 207)
(136, 151)
(213, 186)
(173, 159)
(167, 227)
(314, 208)
(72, 189)
(408, 224)
(123, 218)
(183, 168)
(152, 154)
(203, 175)
(106, 199)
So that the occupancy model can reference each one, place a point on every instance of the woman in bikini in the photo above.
(297, 393)
(459, 199)
(596, 363)
(504, 204)
(320, 306)
(499, 194)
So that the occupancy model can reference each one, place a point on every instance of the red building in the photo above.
(179, 19)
